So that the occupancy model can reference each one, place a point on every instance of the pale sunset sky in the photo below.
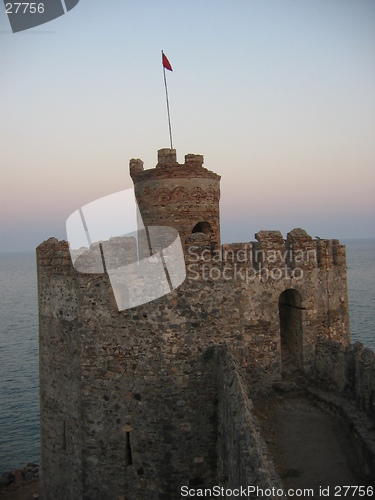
(278, 95)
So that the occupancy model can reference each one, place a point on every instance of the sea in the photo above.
(19, 382)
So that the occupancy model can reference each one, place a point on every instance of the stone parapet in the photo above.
(243, 457)
(168, 168)
(350, 369)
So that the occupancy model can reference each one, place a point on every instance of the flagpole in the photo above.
(166, 95)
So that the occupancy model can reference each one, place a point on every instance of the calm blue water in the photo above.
(360, 260)
(19, 383)
(19, 392)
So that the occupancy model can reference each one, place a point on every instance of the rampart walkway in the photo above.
(313, 447)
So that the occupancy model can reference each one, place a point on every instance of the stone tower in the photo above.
(185, 196)
(140, 402)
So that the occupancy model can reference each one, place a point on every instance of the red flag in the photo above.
(166, 63)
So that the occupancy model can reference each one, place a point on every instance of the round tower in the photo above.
(184, 196)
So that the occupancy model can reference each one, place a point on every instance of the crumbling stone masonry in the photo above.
(133, 402)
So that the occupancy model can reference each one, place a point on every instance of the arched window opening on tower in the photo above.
(202, 227)
(290, 314)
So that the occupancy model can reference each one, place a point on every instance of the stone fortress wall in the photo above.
(139, 402)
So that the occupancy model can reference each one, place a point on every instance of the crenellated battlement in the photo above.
(167, 167)
(330, 252)
(298, 250)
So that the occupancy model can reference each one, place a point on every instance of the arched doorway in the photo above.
(202, 227)
(290, 314)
